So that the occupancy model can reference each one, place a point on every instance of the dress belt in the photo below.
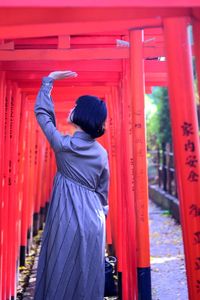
(76, 182)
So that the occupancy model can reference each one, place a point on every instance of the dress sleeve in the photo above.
(44, 112)
(103, 187)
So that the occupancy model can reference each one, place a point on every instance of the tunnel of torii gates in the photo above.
(120, 50)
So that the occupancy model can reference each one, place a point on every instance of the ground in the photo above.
(167, 256)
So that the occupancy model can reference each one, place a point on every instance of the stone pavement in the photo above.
(167, 259)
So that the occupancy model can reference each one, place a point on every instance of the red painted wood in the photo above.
(9, 45)
(7, 246)
(129, 274)
(73, 91)
(185, 133)
(82, 76)
(74, 28)
(32, 70)
(139, 148)
(114, 196)
(103, 3)
(74, 41)
(72, 54)
(64, 42)
(117, 102)
(2, 207)
(25, 179)
(14, 184)
(25, 15)
(32, 169)
(46, 66)
(81, 38)
(4, 191)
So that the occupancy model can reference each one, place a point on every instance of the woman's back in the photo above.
(71, 260)
(82, 159)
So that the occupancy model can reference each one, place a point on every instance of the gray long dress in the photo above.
(71, 259)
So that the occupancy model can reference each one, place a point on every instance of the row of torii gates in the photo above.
(115, 46)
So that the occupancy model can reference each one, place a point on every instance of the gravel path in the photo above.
(167, 259)
(167, 256)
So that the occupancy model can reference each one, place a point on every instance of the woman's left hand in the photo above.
(62, 74)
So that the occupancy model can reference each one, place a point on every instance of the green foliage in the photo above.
(158, 115)
(158, 118)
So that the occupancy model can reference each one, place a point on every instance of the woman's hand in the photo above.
(62, 74)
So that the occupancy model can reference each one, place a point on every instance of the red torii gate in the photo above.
(38, 38)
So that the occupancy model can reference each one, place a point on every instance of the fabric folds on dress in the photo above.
(71, 259)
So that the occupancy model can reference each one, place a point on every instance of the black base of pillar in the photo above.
(35, 223)
(29, 240)
(12, 298)
(46, 210)
(144, 283)
(22, 255)
(29, 233)
(120, 285)
(42, 213)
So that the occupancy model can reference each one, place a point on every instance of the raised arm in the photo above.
(44, 108)
(44, 112)
(103, 187)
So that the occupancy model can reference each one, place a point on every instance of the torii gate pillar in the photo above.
(185, 142)
(137, 86)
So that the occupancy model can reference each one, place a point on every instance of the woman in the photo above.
(71, 260)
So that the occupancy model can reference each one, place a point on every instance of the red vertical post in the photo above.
(31, 174)
(18, 206)
(2, 131)
(137, 86)
(126, 187)
(11, 195)
(13, 134)
(25, 204)
(21, 177)
(36, 204)
(115, 197)
(16, 113)
(4, 191)
(129, 275)
(118, 134)
(30, 171)
(7, 244)
(112, 164)
(41, 152)
(186, 143)
(115, 100)
(103, 141)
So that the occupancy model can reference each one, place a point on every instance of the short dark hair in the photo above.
(90, 114)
